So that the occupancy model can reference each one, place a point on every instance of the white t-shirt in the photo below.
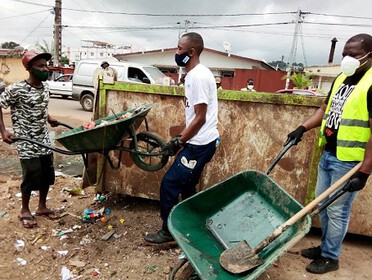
(200, 88)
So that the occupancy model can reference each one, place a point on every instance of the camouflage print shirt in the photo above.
(29, 113)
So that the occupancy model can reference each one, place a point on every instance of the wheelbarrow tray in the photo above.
(248, 206)
(105, 137)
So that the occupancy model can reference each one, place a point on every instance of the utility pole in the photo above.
(57, 32)
(179, 29)
(188, 24)
(292, 55)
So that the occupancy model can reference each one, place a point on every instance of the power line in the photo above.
(35, 28)
(191, 15)
(339, 24)
(175, 27)
(342, 16)
(158, 15)
(28, 14)
(31, 3)
(177, 15)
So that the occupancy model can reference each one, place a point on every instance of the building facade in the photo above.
(233, 70)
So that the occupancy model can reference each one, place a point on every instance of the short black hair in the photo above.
(250, 81)
(196, 41)
(364, 39)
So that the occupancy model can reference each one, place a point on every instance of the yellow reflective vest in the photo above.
(354, 131)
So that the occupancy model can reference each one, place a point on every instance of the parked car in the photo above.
(61, 86)
(300, 92)
(82, 82)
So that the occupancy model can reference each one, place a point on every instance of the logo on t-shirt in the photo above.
(337, 106)
(187, 103)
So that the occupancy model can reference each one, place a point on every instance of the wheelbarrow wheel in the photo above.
(183, 271)
(148, 143)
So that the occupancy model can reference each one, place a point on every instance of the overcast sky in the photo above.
(256, 29)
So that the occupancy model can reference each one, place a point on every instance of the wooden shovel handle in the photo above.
(305, 210)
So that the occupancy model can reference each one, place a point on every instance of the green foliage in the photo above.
(9, 45)
(64, 60)
(45, 47)
(281, 65)
(300, 80)
(49, 48)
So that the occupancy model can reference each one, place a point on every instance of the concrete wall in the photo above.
(12, 70)
(253, 129)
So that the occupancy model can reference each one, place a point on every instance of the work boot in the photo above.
(322, 265)
(312, 253)
(159, 238)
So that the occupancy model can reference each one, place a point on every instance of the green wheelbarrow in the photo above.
(109, 134)
(248, 206)
(244, 209)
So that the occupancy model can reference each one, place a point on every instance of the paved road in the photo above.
(62, 109)
(70, 112)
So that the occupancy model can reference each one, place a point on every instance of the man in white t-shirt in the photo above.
(198, 140)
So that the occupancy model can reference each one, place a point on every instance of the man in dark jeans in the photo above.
(345, 121)
(28, 101)
(198, 139)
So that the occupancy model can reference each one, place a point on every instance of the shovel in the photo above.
(241, 257)
(280, 155)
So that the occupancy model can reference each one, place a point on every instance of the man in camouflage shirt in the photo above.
(28, 101)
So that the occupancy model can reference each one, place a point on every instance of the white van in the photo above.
(82, 81)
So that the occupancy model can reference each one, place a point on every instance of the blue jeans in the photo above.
(334, 220)
(181, 179)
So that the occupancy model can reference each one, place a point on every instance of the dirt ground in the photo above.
(47, 251)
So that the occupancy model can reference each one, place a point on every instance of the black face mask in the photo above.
(182, 59)
(41, 75)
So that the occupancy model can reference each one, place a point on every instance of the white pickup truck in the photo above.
(61, 86)
(82, 82)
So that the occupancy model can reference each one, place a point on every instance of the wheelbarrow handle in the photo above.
(63, 124)
(45, 145)
(280, 155)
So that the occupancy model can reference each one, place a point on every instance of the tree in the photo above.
(300, 80)
(281, 65)
(49, 48)
(9, 45)
(64, 60)
(45, 47)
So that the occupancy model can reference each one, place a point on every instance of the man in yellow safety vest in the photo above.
(345, 119)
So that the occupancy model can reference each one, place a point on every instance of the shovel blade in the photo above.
(240, 258)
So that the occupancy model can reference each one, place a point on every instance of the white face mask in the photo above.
(350, 64)
(249, 86)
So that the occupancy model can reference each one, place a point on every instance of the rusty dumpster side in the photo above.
(253, 128)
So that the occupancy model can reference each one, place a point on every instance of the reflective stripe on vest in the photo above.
(354, 131)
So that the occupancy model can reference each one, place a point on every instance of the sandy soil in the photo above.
(125, 256)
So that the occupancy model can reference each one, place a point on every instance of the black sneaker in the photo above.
(159, 238)
(312, 253)
(322, 265)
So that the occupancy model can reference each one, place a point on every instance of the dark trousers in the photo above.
(181, 179)
(37, 173)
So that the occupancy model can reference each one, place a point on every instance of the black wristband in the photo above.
(302, 129)
(362, 175)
